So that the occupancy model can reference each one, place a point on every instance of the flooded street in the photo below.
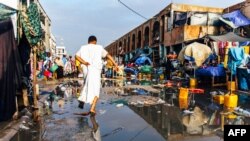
(124, 70)
(125, 112)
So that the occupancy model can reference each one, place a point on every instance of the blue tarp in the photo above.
(130, 70)
(243, 79)
(237, 18)
(143, 61)
(146, 52)
(247, 43)
(211, 71)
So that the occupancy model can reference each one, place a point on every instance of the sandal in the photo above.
(83, 114)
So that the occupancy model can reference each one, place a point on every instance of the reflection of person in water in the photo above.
(96, 130)
(91, 132)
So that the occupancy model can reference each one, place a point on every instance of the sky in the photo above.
(73, 21)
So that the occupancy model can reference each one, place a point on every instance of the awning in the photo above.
(232, 37)
(199, 52)
(237, 18)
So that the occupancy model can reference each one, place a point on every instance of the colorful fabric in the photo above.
(109, 64)
(235, 57)
(237, 18)
(211, 71)
(199, 52)
(32, 24)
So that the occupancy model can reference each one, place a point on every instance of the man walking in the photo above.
(91, 56)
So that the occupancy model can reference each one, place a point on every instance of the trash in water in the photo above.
(23, 127)
(119, 105)
(102, 111)
(113, 132)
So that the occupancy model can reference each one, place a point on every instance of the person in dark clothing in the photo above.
(59, 71)
(168, 64)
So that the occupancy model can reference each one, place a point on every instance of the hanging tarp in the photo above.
(199, 52)
(247, 43)
(180, 18)
(6, 11)
(230, 23)
(229, 37)
(32, 24)
(213, 19)
(143, 61)
(130, 70)
(199, 19)
(237, 18)
(10, 70)
(235, 57)
(137, 54)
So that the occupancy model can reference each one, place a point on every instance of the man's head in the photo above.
(92, 39)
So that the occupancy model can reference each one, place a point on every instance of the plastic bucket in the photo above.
(193, 82)
(230, 101)
(161, 76)
(231, 85)
(183, 98)
(139, 76)
(53, 68)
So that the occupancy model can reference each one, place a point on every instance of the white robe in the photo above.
(93, 54)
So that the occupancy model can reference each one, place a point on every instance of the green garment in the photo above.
(32, 24)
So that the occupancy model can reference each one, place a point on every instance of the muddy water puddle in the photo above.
(127, 110)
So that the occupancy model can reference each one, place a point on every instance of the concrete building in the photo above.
(53, 44)
(170, 29)
(60, 51)
(46, 27)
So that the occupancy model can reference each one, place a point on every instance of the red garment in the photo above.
(47, 73)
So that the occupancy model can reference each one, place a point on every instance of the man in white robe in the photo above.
(91, 56)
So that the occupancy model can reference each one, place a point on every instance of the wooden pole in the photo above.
(34, 85)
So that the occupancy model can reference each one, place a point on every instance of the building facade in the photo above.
(60, 51)
(168, 30)
(46, 27)
(53, 44)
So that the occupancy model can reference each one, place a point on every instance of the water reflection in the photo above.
(96, 129)
(166, 120)
(62, 123)
(34, 133)
(121, 82)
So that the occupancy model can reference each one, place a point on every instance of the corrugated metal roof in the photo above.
(229, 37)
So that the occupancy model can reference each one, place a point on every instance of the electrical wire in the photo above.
(132, 10)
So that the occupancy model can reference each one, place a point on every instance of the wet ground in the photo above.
(127, 111)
